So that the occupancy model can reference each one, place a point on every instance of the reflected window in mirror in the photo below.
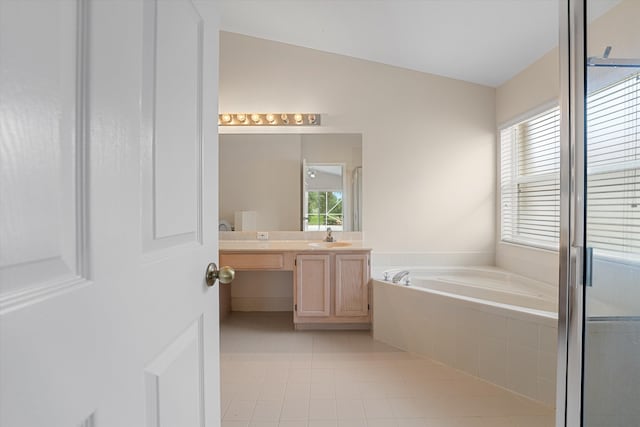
(323, 202)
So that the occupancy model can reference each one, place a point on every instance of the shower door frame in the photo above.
(572, 213)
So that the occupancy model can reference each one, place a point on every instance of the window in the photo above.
(530, 180)
(613, 167)
(325, 210)
(530, 164)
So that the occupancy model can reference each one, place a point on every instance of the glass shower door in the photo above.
(611, 346)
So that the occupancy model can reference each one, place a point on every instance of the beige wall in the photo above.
(333, 148)
(538, 85)
(261, 173)
(428, 141)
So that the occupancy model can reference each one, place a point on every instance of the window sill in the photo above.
(539, 247)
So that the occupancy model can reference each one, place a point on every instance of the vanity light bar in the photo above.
(269, 119)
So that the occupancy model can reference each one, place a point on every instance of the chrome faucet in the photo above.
(329, 237)
(399, 275)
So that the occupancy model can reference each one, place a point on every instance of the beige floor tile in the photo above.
(372, 390)
(323, 390)
(350, 409)
(297, 391)
(267, 410)
(347, 390)
(295, 410)
(473, 422)
(273, 376)
(240, 410)
(300, 375)
(382, 422)
(263, 424)
(535, 421)
(322, 375)
(412, 422)
(323, 423)
(293, 424)
(272, 391)
(352, 423)
(322, 409)
(408, 408)
(377, 408)
(302, 361)
(248, 391)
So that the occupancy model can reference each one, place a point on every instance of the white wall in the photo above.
(428, 141)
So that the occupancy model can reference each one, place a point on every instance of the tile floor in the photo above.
(273, 376)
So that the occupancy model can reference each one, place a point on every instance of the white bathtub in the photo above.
(485, 321)
(486, 284)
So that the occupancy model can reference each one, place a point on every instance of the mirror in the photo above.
(290, 182)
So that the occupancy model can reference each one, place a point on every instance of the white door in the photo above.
(108, 210)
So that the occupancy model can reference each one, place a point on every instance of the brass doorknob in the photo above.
(225, 274)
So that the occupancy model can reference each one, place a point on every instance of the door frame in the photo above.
(572, 213)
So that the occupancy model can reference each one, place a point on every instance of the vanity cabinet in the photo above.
(331, 289)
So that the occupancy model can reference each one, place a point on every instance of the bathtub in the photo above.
(485, 321)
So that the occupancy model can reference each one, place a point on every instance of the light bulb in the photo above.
(312, 118)
(241, 117)
(255, 118)
(226, 118)
(271, 118)
(284, 118)
(298, 118)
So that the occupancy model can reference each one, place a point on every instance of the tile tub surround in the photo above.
(513, 349)
(273, 376)
(612, 372)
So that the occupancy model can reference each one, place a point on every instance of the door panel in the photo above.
(175, 376)
(47, 303)
(172, 113)
(313, 285)
(42, 199)
(352, 285)
(611, 369)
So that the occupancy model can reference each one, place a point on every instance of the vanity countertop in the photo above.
(291, 245)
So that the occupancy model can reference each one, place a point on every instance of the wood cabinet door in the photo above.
(313, 285)
(352, 289)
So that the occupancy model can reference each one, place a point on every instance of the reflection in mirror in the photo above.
(264, 177)
(322, 197)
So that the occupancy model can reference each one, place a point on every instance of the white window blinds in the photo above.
(613, 167)
(530, 180)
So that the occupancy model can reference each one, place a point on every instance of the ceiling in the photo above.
(480, 41)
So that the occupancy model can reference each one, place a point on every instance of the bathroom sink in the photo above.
(329, 245)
